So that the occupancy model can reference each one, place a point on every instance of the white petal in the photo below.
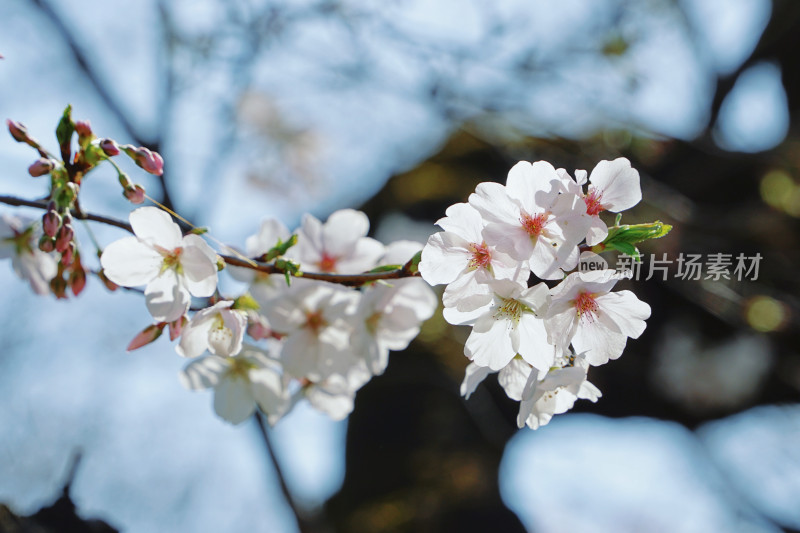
(444, 257)
(130, 262)
(626, 310)
(267, 388)
(463, 220)
(534, 347)
(154, 226)
(534, 185)
(514, 376)
(166, 299)
(473, 376)
(204, 373)
(268, 235)
(599, 343)
(199, 266)
(490, 344)
(619, 184)
(363, 256)
(233, 399)
(194, 339)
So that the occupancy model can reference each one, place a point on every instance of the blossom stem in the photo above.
(353, 280)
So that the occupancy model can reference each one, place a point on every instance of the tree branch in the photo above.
(351, 280)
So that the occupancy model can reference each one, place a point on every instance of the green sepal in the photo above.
(64, 132)
(278, 250)
(623, 238)
(289, 269)
(386, 268)
(245, 302)
(412, 266)
(198, 231)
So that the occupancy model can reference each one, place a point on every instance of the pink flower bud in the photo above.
(64, 238)
(84, 128)
(59, 287)
(176, 327)
(47, 244)
(134, 194)
(146, 336)
(41, 166)
(51, 222)
(18, 131)
(110, 285)
(77, 280)
(109, 147)
(150, 161)
(259, 330)
(68, 255)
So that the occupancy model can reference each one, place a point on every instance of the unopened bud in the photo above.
(134, 194)
(64, 237)
(18, 131)
(77, 280)
(51, 222)
(59, 287)
(68, 255)
(110, 285)
(41, 166)
(176, 327)
(109, 147)
(47, 244)
(84, 128)
(146, 336)
(150, 161)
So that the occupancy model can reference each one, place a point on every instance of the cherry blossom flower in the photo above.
(313, 317)
(460, 257)
(218, 329)
(339, 246)
(555, 393)
(173, 267)
(511, 324)
(263, 287)
(240, 383)
(596, 321)
(18, 240)
(388, 318)
(613, 186)
(532, 219)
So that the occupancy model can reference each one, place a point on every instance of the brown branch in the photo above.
(351, 280)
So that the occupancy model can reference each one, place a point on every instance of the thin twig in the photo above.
(301, 523)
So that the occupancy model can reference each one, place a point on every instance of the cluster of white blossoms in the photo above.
(311, 339)
(541, 340)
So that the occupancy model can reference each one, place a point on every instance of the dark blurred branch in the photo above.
(302, 525)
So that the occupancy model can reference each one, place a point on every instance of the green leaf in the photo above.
(199, 231)
(624, 238)
(64, 132)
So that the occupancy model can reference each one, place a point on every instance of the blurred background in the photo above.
(400, 107)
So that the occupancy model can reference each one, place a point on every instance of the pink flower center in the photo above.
(586, 305)
(592, 201)
(533, 225)
(327, 263)
(481, 256)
